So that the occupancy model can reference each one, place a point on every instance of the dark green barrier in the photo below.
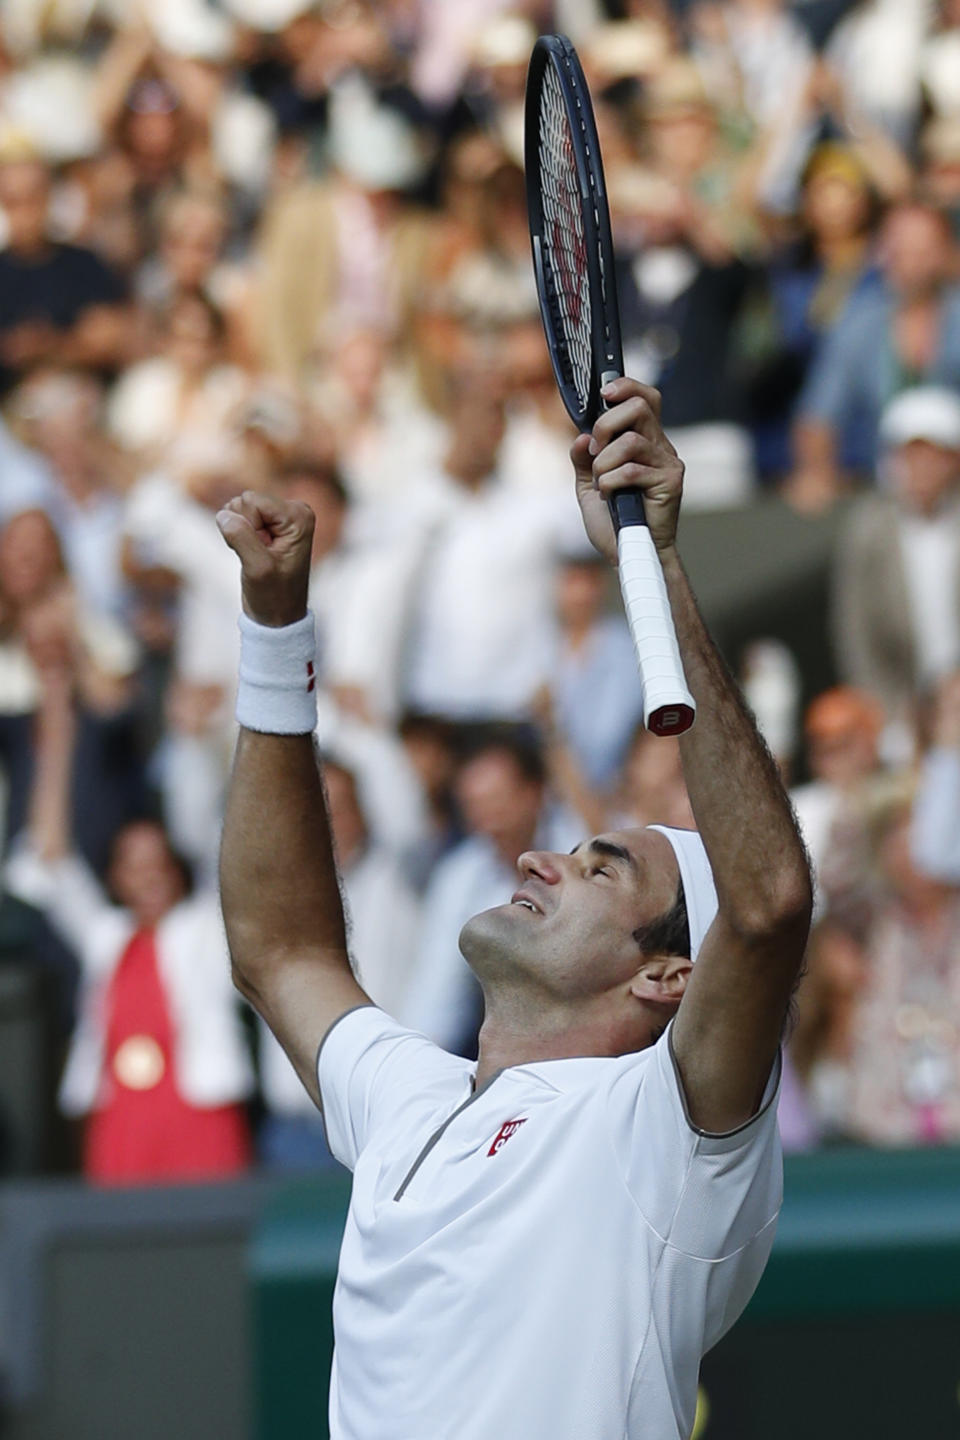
(854, 1332)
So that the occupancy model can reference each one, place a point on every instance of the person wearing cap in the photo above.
(896, 574)
(542, 1244)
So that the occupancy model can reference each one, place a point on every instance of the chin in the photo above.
(490, 937)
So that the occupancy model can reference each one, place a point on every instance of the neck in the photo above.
(577, 633)
(840, 252)
(31, 249)
(510, 1037)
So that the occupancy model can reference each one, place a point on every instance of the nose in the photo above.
(540, 863)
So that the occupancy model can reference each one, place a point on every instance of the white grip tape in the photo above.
(645, 600)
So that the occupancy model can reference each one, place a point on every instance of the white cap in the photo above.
(698, 888)
(926, 412)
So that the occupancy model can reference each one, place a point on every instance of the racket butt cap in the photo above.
(671, 720)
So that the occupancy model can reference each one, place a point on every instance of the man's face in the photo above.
(569, 929)
(926, 474)
(24, 195)
(581, 592)
(917, 250)
(497, 799)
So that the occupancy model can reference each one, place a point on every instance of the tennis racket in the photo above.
(573, 264)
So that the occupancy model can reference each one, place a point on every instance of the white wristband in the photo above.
(277, 690)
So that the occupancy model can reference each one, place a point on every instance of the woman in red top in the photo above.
(156, 1048)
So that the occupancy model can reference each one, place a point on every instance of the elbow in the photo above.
(780, 910)
(242, 982)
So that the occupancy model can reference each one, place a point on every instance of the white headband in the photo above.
(698, 887)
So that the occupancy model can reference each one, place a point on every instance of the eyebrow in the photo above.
(611, 850)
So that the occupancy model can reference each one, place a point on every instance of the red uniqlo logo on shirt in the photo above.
(508, 1128)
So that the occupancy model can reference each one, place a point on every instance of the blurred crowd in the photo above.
(282, 245)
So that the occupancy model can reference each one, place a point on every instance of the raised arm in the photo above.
(729, 1024)
(278, 879)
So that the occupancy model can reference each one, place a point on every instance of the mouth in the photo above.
(522, 899)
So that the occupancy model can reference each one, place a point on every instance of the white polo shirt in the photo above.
(545, 1259)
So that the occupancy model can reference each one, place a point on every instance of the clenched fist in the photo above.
(272, 539)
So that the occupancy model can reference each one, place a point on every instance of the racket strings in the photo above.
(564, 240)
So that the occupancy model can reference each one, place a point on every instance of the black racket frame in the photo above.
(558, 53)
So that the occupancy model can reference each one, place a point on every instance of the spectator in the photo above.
(61, 414)
(652, 789)
(187, 390)
(58, 302)
(501, 792)
(896, 575)
(842, 729)
(754, 51)
(940, 61)
(190, 260)
(157, 1063)
(904, 1075)
(683, 286)
(940, 172)
(42, 626)
(597, 699)
(906, 333)
(822, 1044)
(487, 557)
(935, 836)
(811, 283)
(875, 53)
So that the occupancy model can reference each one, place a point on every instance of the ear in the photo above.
(662, 979)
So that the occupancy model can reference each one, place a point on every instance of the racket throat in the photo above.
(626, 508)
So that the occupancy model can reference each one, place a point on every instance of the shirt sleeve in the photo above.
(706, 1196)
(373, 1074)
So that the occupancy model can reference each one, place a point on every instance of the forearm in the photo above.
(48, 820)
(741, 809)
(281, 899)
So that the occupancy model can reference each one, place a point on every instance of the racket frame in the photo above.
(557, 53)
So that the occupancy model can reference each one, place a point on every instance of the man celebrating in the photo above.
(540, 1245)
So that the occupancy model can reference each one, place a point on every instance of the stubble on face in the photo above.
(577, 940)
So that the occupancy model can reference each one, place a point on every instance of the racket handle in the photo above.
(668, 706)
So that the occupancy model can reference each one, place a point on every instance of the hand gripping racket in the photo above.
(573, 263)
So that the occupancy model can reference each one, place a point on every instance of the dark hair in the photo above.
(669, 934)
(184, 866)
(520, 742)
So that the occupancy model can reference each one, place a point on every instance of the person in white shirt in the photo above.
(540, 1246)
(897, 562)
(487, 555)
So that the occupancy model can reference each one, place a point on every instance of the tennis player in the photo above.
(542, 1244)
